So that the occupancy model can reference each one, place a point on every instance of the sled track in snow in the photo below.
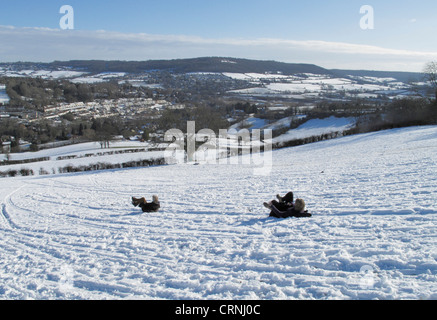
(5, 217)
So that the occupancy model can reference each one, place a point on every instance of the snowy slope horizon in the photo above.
(372, 236)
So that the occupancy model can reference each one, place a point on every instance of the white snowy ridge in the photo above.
(372, 235)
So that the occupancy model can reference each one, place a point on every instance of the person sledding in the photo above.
(286, 208)
(153, 206)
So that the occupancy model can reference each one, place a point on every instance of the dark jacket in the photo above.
(288, 199)
(282, 206)
(285, 203)
(150, 207)
(288, 213)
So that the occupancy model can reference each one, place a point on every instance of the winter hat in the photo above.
(299, 205)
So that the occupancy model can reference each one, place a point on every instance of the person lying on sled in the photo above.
(284, 203)
(153, 206)
(281, 210)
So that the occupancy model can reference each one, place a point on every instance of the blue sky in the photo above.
(190, 28)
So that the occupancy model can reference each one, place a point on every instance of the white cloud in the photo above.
(45, 45)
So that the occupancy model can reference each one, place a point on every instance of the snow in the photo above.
(301, 86)
(317, 127)
(83, 153)
(318, 85)
(283, 123)
(255, 76)
(228, 61)
(76, 149)
(251, 123)
(45, 74)
(372, 235)
(99, 78)
(74, 76)
(108, 75)
(56, 74)
(88, 80)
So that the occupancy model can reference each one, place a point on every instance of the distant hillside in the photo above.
(208, 64)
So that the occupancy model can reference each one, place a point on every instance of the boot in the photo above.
(136, 201)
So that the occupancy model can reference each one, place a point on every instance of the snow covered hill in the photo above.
(54, 160)
(264, 79)
(372, 236)
(317, 127)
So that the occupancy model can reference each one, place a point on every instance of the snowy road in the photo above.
(373, 234)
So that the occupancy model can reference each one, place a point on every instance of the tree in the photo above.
(105, 129)
(81, 129)
(430, 72)
(146, 134)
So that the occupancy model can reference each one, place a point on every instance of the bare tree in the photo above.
(430, 72)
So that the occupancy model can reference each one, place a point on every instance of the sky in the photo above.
(331, 34)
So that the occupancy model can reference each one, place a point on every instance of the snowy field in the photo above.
(83, 154)
(373, 234)
(317, 127)
(311, 85)
(45, 74)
